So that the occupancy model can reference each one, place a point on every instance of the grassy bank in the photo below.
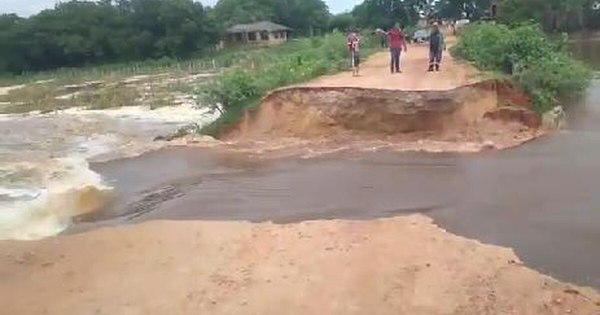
(116, 71)
(541, 66)
(104, 92)
(241, 87)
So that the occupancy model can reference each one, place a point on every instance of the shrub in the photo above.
(232, 89)
(242, 85)
(539, 65)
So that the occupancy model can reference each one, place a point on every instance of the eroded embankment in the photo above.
(491, 113)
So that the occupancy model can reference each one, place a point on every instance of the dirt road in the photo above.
(375, 73)
(396, 266)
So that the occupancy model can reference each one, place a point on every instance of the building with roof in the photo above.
(259, 33)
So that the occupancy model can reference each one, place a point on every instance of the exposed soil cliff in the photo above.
(486, 112)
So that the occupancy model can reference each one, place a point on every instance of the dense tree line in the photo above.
(77, 33)
(554, 15)
(385, 13)
(80, 32)
(305, 17)
(459, 9)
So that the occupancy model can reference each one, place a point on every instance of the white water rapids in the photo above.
(44, 176)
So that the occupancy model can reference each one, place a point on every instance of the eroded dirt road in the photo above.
(394, 266)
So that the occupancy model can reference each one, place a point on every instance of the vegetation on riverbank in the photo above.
(553, 16)
(541, 66)
(156, 83)
(100, 88)
(211, 62)
(240, 87)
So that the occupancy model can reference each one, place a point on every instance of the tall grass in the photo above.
(260, 71)
(206, 63)
(116, 70)
(44, 91)
(541, 66)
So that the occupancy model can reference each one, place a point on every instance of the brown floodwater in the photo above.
(542, 199)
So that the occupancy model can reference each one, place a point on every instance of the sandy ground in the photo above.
(375, 73)
(393, 266)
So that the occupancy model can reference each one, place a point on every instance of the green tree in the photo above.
(80, 32)
(457, 9)
(342, 22)
(10, 44)
(244, 11)
(554, 15)
(305, 17)
(385, 13)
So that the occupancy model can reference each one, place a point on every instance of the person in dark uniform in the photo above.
(437, 45)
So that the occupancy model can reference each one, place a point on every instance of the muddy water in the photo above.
(541, 199)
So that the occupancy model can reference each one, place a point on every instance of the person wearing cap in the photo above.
(436, 46)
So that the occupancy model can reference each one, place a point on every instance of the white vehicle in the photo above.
(462, 23)
(421, 36)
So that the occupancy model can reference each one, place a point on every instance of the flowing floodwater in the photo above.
(540, 199)
(44, 175)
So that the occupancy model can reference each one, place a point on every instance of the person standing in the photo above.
(437, 45)
(353, 43)
(397, 41)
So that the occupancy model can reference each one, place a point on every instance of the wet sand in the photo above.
(395, 266)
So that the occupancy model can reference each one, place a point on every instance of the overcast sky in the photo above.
(28, 7)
